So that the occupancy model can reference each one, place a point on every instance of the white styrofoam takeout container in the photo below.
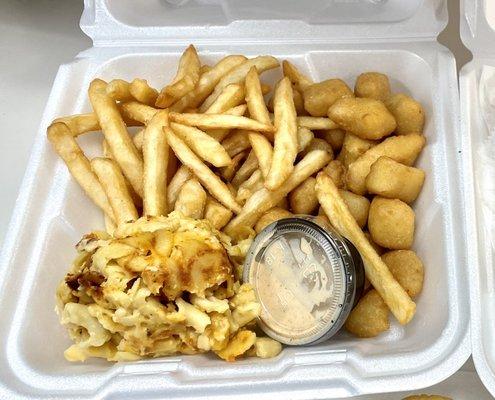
(325, 39)
(478, 34)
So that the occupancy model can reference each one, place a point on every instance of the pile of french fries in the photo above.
(212, 148)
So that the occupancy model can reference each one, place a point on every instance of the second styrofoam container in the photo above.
(52, 212)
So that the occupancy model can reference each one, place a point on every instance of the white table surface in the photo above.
(35, 38)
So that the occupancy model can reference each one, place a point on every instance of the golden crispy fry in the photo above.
(246, 169)
(263, 151)
(249, 186)
(155, 159)
(377, 272)
(232, 95)
(67, 148)
(112, 181)
(115, 132)
(408, 113)
(225, 121)
(335, 170)
(304, 138)
(318, 97)
(264, 199)
(138, 139)
(109, 225)
(300, 80)
(208, 179)
(202, 144)
(403, 149)
(204, 69)
(186, 78)
(220, 134)
(207, 83)
(317, 144)
(267, 348)
(335, 137)
(82, 123)
(118, 90)
(370, 316)
(316, 123)
(254, 98)
(182, 175)
(407, 268)
(142, 92)
(191, 200)
(303, 198)
(137, 112)
(366, 118)
(358, 206)
(372, 85)
(353, 148)
(391, 223)
(379, 249)
(238, 345)
(285, 146)
(218, 215)
(236, 142)
(238, 75)
(298, 101)
(388, 178)
(272, 215)
(228, 172)
(138, 201)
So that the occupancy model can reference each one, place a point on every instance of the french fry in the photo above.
(138, 112)
(263, 151)
(265, 199)
(67, 148)
(118, 89)
(236, 142)
(208, 179)
(246, 169)
(182, 175)
(115, 132)
(218, 215)
(82, 123)
(238, 75)
(138, 139)
(249, 186)
(285, 146)
(228, 172)
(155, 159)
(304, 138)
(207, 83)
(254, 98)
(112, 181)
(186, 78)
(220, 134)
(232, 95)
(316, 123)
(211, 121)
(204, 69)
(202, 144)
(191, 200)
(109, 225)
(376, 270)
(138, 202)
(300, 80)
(142, 92)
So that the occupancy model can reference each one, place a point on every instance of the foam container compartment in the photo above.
(325, 39)
(478, 34)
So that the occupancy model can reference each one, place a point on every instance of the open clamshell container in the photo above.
(477, 93)
(140, 38)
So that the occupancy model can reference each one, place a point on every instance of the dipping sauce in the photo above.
(306, 277)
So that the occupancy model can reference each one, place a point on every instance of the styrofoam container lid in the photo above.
(478, 34)
(324, 38)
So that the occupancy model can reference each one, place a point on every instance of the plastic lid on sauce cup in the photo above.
(306, 277)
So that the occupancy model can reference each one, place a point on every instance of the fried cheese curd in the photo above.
(160, 286)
